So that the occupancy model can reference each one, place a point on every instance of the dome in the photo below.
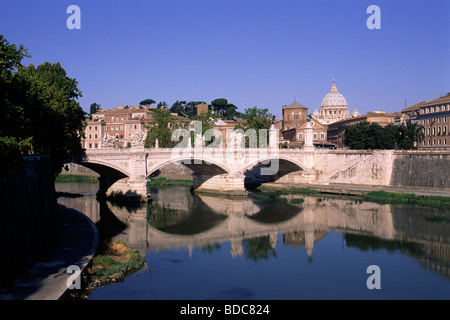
(333, 99)
(355, 113)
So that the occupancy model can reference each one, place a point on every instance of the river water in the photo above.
(200, 247)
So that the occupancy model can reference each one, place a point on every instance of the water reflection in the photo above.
(177, 219)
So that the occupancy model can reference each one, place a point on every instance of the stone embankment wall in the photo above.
(28, 217)
(424, 169)
(429, 169)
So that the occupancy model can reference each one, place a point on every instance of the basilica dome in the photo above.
(333, 98)
(333, 107)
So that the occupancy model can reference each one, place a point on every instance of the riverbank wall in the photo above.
(29, 219)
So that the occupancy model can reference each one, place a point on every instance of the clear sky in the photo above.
(252, 52)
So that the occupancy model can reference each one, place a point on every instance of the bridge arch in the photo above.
(254, 175)
(197, 165)
(109, 174)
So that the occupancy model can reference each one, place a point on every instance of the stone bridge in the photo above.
(124, 172)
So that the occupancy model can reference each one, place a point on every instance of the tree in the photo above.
(257, 119)
(355, 135)
(162, 104)
(56, 119)
(410, 135)
(94, 108)
(223, 108)
(161, 127)
(12, 142)
(147, 102)
(40, 114)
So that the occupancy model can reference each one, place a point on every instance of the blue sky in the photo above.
(252, 52)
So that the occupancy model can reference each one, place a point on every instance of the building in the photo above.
(118, 127)
(333, 107)
(410, 114)
(434, 116)
(336, 130)
(294, 120)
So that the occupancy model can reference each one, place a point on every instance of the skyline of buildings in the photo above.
(117, 127)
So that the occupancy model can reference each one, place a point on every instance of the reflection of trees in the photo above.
(258, 248)
(210, 248)
(365, 243)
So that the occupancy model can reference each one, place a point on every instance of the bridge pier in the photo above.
(127, 189)
(226, 183)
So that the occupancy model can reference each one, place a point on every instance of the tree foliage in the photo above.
(226, 110)
(147, 102)
(39, 108)
(365, 135)
(161, 126)
(257, 119)
(94, 108)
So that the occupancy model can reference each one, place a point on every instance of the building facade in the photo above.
(434, 116)
(293, 124)
(116, 127)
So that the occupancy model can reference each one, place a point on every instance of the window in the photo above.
(90, 136)
(121, 127)
(90, 128)
(95, 136)
(117, 127)
(296, 116)
(90, 145)
(445, 141)
(300, 136)
(428, 131)
(96, 146)
(315, 135)
(107, 128)
(322, 135)
(95, 128)
(135, 126)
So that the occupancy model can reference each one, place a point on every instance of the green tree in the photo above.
(13, 142)
(147, 102)
(356, 135)
(40, 111)
(94, 108)
(410, 136)
(56, 119)
(390, 137)
(226, 110)
(161, 126)
(257, 119)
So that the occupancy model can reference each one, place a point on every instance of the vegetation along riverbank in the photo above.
(439, 202)
(112, 263)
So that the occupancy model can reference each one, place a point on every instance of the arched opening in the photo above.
(254, 175)
(107, 176)
(200, 171)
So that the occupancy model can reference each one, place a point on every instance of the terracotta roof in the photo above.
(414, 106)
(295, 105)
(444, 99)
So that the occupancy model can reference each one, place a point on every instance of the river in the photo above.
(200, 247)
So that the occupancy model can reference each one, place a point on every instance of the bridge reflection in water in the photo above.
(177, 219)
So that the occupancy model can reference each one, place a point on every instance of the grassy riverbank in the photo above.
(112, 263)
(382, 197)
(164, 182)
(442, 203)
(75, 178)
